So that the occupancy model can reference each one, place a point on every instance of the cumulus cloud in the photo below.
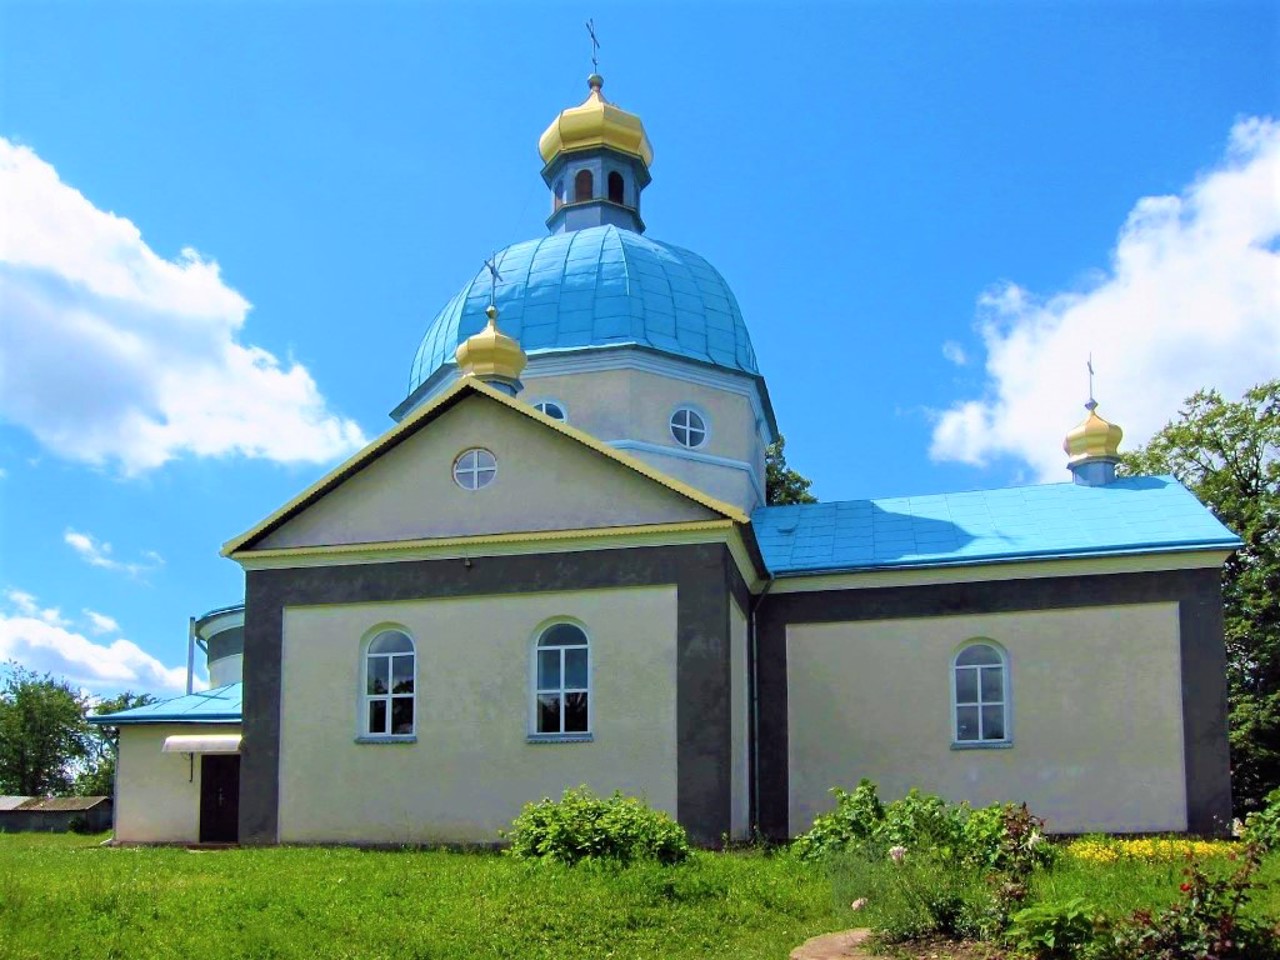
(113, 354)
(98, 553)
(954, 353)
(1191, 299)
(100, 623)
(48, 644)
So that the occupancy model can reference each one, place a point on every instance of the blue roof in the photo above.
(1133, 515)
(219, 705)
(597, 287)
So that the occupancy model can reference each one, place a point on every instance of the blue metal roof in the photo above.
(597, 287)
(219, 705)
(1133, 515)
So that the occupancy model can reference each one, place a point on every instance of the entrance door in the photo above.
(220, 798)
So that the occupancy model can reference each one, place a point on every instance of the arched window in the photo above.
(562, 673)
(981, 684)
(688, 428)
(559, 194)
(615, 187)
(389, 682)
(584, 186)
(552, 408)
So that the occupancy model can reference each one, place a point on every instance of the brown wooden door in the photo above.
(220, 798)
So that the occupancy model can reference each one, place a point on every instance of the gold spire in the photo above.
(490, 354)
(595, 123)
(1093, 438)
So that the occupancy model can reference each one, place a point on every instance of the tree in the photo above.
(98, 776)
(782, 484)
(1228, 455)
(43, 736)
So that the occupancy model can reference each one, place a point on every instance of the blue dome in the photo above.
(597, 287)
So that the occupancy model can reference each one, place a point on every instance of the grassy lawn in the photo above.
(67, 896)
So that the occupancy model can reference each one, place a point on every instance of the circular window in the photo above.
(475, 468)
(552, 409)
(688, 428)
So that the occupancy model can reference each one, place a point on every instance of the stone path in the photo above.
(845, 945)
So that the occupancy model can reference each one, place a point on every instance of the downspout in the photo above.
(755, 706)
(191, 651)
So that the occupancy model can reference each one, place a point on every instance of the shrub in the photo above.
(1053, 930)
(582, 826)
(853, 821)
(921, 821)
(1263, 826)
(1205, 923)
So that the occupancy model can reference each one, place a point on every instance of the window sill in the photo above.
(559, 738)
(982, 745)
(412, 738)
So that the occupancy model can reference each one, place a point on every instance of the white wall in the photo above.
(155, 801)
(471, 767)
(1096, 715)
(545, 481)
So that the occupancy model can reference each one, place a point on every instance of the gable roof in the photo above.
(1048, 521)
(219, 705)
(421, 418)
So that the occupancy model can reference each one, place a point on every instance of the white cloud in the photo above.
(98, 553)
(954, 353)
(100, 623)
(43, 644)
(1191, 300)
(114, 354)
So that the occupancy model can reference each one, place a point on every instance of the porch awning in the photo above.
(196, 743)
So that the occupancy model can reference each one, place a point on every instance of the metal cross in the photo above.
(595, 45)
(494, 278)
(1089, 363)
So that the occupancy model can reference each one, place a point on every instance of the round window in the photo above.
(475, 468)
(551, 409)
(688, 428)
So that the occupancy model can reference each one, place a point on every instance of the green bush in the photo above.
(1053, 931)
(921, 821)
(1263, 826)
(582, 826)
(853, 821)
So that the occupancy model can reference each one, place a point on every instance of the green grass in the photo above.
(67, 896)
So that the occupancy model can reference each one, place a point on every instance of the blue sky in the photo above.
(224, 228)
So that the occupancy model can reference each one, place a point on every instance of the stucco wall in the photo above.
(636, 405)
(1097, 736)
(471, 767)
(226, 670)
(545, 481)
(155, 803)
(739, 814)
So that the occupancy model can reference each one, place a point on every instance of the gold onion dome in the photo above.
(491, 353)
(595, 123)
(1093, 437)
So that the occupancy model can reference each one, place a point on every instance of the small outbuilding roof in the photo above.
(13, 803)
(51, 804)
(1049, 521)
(219, 705)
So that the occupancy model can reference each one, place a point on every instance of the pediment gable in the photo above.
(549, 478)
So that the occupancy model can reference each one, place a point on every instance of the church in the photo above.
(559, 568)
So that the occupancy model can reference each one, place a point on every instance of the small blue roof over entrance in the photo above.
(219, 705)
(597, 287)
(1059, 520)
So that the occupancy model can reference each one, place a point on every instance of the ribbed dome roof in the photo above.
(598, 287)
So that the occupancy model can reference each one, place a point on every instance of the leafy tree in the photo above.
(1228, 454)
(781, 483)
(43, 735)
(98, 777)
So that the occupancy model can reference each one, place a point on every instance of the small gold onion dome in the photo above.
(1093, 437)
(595, 123)
(491, 353)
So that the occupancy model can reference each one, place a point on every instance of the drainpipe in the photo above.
(191, 651)
(755, 706)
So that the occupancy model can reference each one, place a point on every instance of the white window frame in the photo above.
(564, 411)
(366, 698)
(701, 415)
(1006, 689)
(560, 736)
(474, 470)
